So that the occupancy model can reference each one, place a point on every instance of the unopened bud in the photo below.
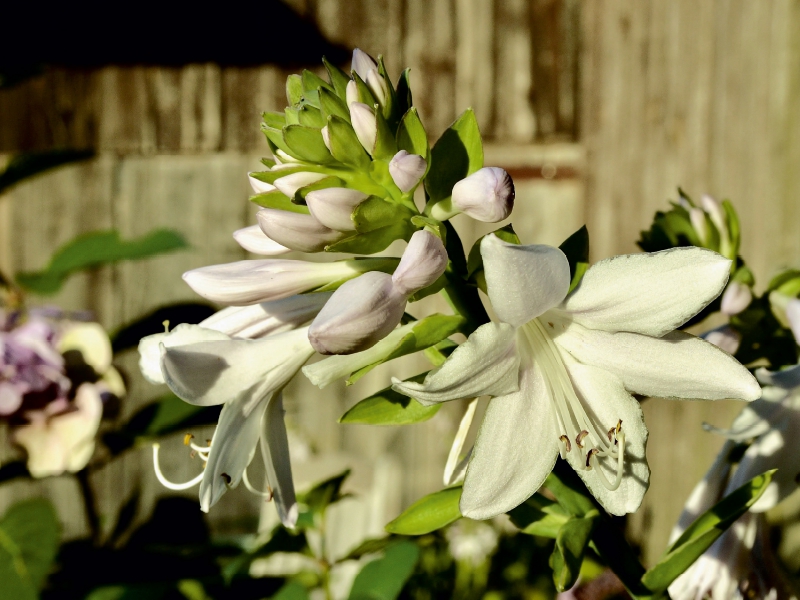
(326, 137)
(697, 216)
(254, 240)
(377, 85)
(423, 261)
(289, 184)
(406, 170)
(736, 298)
(333, 207)
(364, 124)
(260, 187)
(297, 231)
(362, 63)
(487, 195)
(351, 92)
(725, 338)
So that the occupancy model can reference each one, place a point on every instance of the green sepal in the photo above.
(384, 264)
(435, 226)
(426, 332)
(378, 223)
(276, 199)
(274, 174)
(567, 556)
(434, 288)
(306, 143)
(311, 117)
(345, 146)
(428, 514)
(312, 82)
(294, 89)
(458, 153)
(411, 135)
(339, 79)
(328, 182)
(388, 407)
(734, 229)
(390, 109)
(403, 94)
(291, 115)
(276, 120)
(703, 532)
(364, 93)
(385, 143)
(576, 249)
(311, 98)
(275, 139)
(331, 104)
(539, 516)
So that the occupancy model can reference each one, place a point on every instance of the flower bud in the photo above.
(359, 314)
(289, 184)
(715, 212)
(697, 216)
(725, 338)
(364, 124)
(406, 170)
(736, 298)
(377, 85)
(487, 195)
(326, 137)
(333, 207)
(362, 63)
(256, 241)
(297, 231)
(423, 261)
(260, 187)
(351, 92)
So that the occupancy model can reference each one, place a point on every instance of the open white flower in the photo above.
(561, 368)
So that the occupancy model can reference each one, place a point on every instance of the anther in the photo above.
(166, 325)
(565, 439)
(226, 477)
(579, 438)
(589, 456)
(187, 439)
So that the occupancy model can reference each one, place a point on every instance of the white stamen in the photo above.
(251, 489)
(166, 482)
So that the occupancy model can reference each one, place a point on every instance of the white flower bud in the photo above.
(378, 86)
(736, 298)
(698, 218)
(362, 63)
(326, 137)
(726, 338)
(289, 184)
(260, 187)
(256, 241)
(351, 92)
(423, 261)
(487, 195)
(365, 125)
(359, 314)
(333, 207)
(297, 231)
(793, 316)
(406, 170)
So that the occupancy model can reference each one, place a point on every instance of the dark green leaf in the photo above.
(404, 100)
(539, 516)
(429, 513)
(388, 407)
(370, 547)
(703, 532)
(292, 590)
(458, 153)
(383, 579)
(569, 490)
(411, 135)
(29, 164)
(96, 249)
(276, 199)
(306, 143)
(568, 552)
(576, 249)
(345, 146)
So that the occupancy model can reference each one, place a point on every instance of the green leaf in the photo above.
(96, 249)
(704, 531)
(568, 552)
(276, 199)
(383, 579)
(411, 135)
(458, 153)
(576, 249)
(306, 143)
(371, 241)
(433, 225)
(339, 79)
(29, 539)
(568, 489)
(403, 93)
(332, 105)
(429, 513)
(426, 332)
(294, 89)
(29, 164)
(345, 146)
(388, 407)
(539, 516)
(370, 546)
(291, 590)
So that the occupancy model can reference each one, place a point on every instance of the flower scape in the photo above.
(352, 171)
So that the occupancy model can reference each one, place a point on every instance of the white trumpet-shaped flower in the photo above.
(562, 367)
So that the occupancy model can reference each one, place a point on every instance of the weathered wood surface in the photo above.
(656, 94)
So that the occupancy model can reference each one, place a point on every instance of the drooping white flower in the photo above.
(333, 207)
(407, 170)
(561, 368)
(297, 231)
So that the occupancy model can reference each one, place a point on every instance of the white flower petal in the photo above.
(486, 364)
(455, 469)
(184, 333)
(648, 293)
(362, 63)
(297, 231)
(487, 195)
(606, 401)
(523, 281)
(209, 373)
(423, 261)
(678, 365)
(266, 318)
(515, 451)
(275, 452)
(407, 170)
(254, 240)
(333, 207)
(365, 125)
(289, 184)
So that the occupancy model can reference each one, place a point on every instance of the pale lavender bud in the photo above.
(362, 63)
(793, 316)
(726, 338)
(736, 298)
(256, 241)
(289, 184)
(351, 92)
(698, 218)
(326, 137)
(406, 170)
(297, 231)
(260, 187)
(487, 195)
(364, 124)
(333, 207)
(423, 261)
(359, 314)
(717, 215)
(377, 84)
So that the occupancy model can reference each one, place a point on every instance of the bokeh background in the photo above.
(599, 110)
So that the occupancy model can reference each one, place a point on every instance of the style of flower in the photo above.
(561, 367)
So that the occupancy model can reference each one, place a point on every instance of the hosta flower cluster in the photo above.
(352, 171)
